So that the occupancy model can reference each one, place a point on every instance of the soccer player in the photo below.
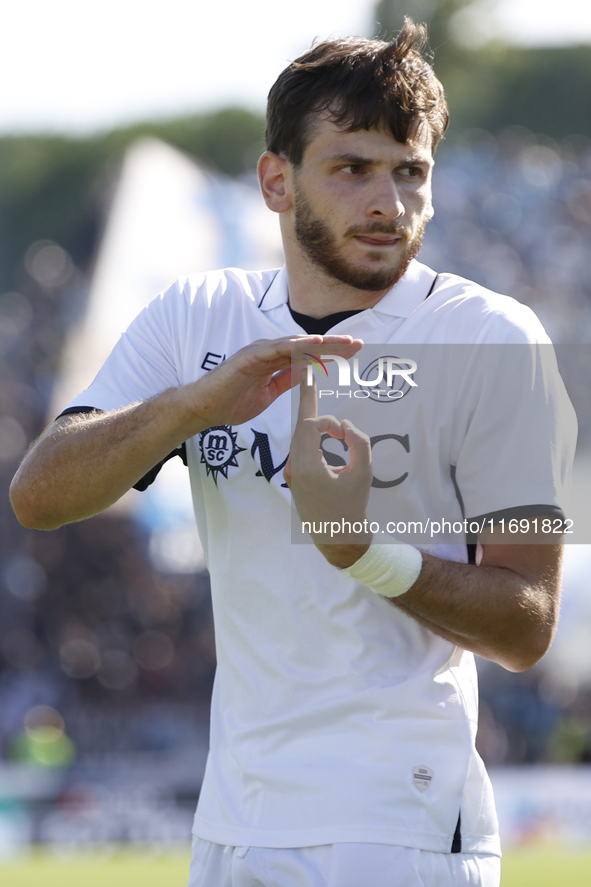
(344, 708)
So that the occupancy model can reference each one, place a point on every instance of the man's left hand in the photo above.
(331, 499)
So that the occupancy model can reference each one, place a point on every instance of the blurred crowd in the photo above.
(102, 652)
(514, 214)
(93, 638)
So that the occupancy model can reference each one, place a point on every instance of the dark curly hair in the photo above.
(362, 84)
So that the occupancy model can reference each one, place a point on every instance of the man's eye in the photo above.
(352, 169)
(410, 171)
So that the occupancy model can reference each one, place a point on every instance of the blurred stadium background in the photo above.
(106, 643)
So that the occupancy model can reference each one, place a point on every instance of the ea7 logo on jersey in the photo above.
(219, 449)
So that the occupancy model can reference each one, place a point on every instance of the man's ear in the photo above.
(274, 177)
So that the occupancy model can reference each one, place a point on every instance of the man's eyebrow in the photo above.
(358, 160)
(416, 160)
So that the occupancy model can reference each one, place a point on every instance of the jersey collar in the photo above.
(400, 301)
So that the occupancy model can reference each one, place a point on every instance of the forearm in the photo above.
(81, 465)
(505, 609)
(497, 612)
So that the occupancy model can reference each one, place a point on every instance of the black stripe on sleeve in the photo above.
(71, 411)
(149, 478)
(520, 512)
(456, 844)
(471, 546)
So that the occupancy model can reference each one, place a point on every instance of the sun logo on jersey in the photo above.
(219, 450)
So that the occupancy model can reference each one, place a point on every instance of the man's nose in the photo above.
(385, 200)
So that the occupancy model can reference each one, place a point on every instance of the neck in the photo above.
(314, 292)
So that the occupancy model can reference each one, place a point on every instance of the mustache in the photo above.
(389, 228)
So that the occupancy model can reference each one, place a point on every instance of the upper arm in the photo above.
(537, 563)
(514, 439)
(515, 454)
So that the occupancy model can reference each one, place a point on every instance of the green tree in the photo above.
(53, 187)
(489, 84)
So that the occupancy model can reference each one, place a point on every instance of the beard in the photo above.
(318, 242)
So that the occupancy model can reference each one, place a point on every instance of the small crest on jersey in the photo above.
(422, 776)
(219, 450)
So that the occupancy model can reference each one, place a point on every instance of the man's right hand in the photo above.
(247, 383)
(83, 463)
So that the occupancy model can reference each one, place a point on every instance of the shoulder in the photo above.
(479, 314)
(227, 286)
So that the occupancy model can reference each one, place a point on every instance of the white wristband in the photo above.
(389, 570)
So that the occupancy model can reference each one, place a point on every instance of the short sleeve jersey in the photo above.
(335, 716)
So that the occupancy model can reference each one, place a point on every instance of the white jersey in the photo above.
(335, 716)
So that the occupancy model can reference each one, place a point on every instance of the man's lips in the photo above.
(378, 239)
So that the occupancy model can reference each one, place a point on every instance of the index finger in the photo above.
(305, 347)
(308, 398)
